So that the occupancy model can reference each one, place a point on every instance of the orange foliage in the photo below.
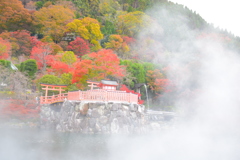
(20, 41)
(5, 49)
(164, 85)
(57, 64)
(97, 66)
(13, 16)
(59, 68)
(158, 83)
(128, 40)
(53, 20)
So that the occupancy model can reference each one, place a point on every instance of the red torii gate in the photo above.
(105, 91)
(92, 84)
(52, 87)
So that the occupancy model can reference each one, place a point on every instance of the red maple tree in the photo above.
(20, 41)
(40, 53)
(79, 46)
(98, 65)
(5, 49)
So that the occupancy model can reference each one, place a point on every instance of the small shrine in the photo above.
(103, 91)
(103, 84)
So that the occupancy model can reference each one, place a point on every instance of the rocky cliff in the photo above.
(94, 117)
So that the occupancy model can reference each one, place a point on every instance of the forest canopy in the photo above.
(69, 42)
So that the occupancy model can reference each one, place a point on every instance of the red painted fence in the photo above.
(53, 99)
(92, 95)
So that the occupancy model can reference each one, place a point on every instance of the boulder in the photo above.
(103, 120)
(95, 113)
(84, 108)
(92, 122)
(115, 106)
(114, 126)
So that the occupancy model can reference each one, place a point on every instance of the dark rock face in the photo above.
(89, 117)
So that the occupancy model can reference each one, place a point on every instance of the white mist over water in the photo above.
(208, 126)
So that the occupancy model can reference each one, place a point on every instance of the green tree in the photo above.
(136, 70)
(68, 57)
(66, 79)
(131, 23)
(5, 63)
(49, 79)
(108, 28)
(88, 8)
(29, 67)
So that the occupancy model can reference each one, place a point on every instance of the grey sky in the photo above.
(223, 14)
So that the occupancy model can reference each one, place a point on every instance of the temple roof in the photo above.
(107, 82)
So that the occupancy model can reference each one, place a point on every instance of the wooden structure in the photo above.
(93, 84)
(104, 84)
(103, 96)
(106, 92)
(54, 98)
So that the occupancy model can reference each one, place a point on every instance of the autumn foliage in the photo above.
(89, 29)
(79, 46)
(158, 83)
(96, 66)
(40, 53)
(78, 40)
(20, 41)
(61, 63)
(19, 109)
(5, 49)
(53, 20)
(13, 16)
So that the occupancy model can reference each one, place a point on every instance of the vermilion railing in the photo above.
(92, 95)
(53, 99)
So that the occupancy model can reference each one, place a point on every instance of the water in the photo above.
(180, 143)
(35, 144)
(48, 145)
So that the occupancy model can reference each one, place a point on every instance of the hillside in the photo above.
(130, 41)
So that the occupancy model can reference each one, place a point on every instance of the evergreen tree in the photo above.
(5, 63)
(29, 67)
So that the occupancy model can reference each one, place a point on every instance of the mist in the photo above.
(207, 126)
(207, 74)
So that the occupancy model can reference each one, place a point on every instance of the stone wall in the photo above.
(89, 117)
